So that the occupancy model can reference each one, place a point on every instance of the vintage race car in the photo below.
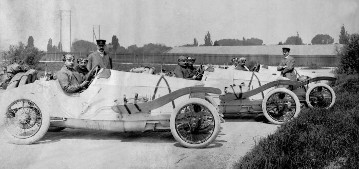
(264, 91)
(114, 101)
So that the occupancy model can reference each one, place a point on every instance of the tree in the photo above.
(30, 42)
(29, 55)
(216, 43)
(344, 36)
(207, 40)
(294, 40)
(280, 43)
(83, 46)
(254, 42)
(59, 47)
(49, 46)
(114, 43)
(195, 42)
(349, 60)
(322, 39)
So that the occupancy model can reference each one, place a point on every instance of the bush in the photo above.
(318, 138)
(349, 56)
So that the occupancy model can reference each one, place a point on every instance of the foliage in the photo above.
(30, 42)
(294, 40)
(83, 46)
(322, 39)
(17, 53)
(244, 42)
(344, 36)
(349, 56)
(216, 43)
(114, 43)
(207, 40)
(52, 48)
(195, 42)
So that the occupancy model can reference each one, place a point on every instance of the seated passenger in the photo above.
(81, 66)
(70, 80)
(286, 66)
(193, 73)
(241, 65)
(181, 69)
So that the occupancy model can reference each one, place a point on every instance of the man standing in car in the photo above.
(100, 57)
(286, 66)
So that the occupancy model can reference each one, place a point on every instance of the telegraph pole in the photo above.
(61, 13)
(99, 32)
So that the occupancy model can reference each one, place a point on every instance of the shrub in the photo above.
(19, 53)
(349, 56)
(318, 138)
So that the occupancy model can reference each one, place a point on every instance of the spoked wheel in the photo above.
(25, 121)
(320, 96)
(280, 105)
(195, 123)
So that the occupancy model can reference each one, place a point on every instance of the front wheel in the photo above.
(25, 120)
(320, 95)
(195, 123)
(280, 105)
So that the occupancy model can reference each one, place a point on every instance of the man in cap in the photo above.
(100, 57)
(192, 71)
(81, 66)
(286, 66)
(70, 80)
(241, 64)
(181, 69)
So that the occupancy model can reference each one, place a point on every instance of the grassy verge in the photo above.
(317, 138)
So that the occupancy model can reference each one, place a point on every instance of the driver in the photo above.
(241, 65)
(70, 80)
(286, 66)
(181, 69)
(192, 71)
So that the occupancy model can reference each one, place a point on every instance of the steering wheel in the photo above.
(93, 73)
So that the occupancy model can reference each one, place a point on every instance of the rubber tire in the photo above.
(323, 85)
(44, 124)
(55, 129)
(216, 123)
(266, 97)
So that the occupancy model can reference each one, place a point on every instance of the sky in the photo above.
(173, 22)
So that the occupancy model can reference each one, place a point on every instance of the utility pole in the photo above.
(99, 32)
(70, 31)
(94, 34)
(61, 14)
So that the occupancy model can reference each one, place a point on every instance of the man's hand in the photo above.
(84, 84)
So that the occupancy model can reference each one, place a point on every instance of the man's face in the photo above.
(101, 48)
(69, 61)
(285, 53)
(182, 62)
(83, 63)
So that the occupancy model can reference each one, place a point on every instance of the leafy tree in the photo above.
(132, 48)
(349, 56)
(216, 43)
(59, 47)
(253, 42)
(114, 43)
(29, 55)
(280, 43)
(195, 42)
(322, 39)
(49, 46)
(207, 40)
(344, 36)
(30, 42)
(294, 40)
(83, 46)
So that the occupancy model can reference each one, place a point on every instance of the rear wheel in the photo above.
(25, 120)
(320, 95)
(195, 123)
(280, 105)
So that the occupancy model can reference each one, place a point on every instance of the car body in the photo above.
(114, 101)
(252, 92)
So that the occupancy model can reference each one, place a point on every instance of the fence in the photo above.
(169, 58)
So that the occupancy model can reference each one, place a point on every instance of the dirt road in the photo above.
(94, 149)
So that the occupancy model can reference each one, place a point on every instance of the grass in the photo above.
(317, 138)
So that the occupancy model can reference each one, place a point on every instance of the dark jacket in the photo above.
(181, 72)
(81, 70)
(95, 59)
(287, 72)
(70, 79)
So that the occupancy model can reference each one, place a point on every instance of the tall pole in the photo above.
(93, 33)
(99, 32)
(70, 30)
(61, 26)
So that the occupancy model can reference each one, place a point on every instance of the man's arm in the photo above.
(281, 66)
(89, 63)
